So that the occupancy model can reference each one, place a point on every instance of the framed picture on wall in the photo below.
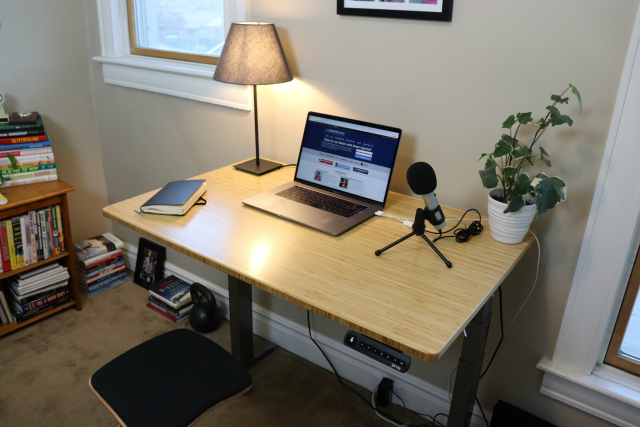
(150, 263)
(433, 10)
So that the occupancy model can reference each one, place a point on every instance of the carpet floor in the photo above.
(45, 370)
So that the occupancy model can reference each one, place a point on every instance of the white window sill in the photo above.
(607, 393)
(175, 78)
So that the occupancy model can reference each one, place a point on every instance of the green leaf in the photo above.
(12, 159)
(502, 148)
(559, 100)
(509, 171)
(514, 203)
(522, 185)
(540, 122)
(544, 159)
(483, 155)
(524, 118)
(489, 177)
(490, 163)
(549, 192)
(508, 124)
(508, 139)
(521, 151)
(558, 119)
(574, 90)
(543, 152)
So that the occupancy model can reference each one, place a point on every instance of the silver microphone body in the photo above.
(432, 204)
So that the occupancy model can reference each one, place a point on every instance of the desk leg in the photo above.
(241, 322)
(470, 368)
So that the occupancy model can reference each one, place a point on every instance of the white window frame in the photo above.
(575, 374)
(177, 78)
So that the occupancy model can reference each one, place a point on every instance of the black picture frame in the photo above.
(147, 274)
(445, 15)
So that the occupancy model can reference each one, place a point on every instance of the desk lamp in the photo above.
(252, 55)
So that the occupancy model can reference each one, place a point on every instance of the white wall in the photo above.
(45, 67)
(449, 86)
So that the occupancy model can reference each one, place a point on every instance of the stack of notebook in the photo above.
(38, 290)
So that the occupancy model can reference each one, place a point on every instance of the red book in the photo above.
(4, 250)
(28, 152)
(23, 139)
(161, 312)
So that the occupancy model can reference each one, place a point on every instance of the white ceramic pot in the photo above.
(510, 227)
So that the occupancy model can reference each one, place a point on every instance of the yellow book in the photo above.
(18, 242)
(60, 231)
(12, 249)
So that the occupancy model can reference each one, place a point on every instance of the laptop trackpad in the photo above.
(297, 211)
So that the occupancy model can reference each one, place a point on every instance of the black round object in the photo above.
(421, 178)
(204, 316)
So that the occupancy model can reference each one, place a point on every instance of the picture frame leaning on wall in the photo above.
(432, 10)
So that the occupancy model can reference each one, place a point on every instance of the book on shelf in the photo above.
(4, 306)
(33, 121)
(34, 180)
(60, 228)
(88, 281)
(13, 172)
(4, 249)
(21, 140)
(17, 242)
(26, 316)
(111, 258)
(176, 198)
(104, 285)
(46, 151)
(4, 133)
(40, 301)
(173, 291)
(96, 246)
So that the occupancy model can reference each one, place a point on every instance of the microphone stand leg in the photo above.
(402, 239)
(446, 261)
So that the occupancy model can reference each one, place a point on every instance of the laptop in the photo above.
(342, 176)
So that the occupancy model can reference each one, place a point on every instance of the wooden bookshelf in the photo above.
(25, 198)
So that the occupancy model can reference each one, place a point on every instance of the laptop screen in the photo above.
(348, 156)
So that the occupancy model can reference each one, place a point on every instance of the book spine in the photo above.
(12, 247)
(18, 242)
(43, 233)
(99, 264)
(24, 317)
(105, 284)
(110, 266)
(106, 275)
(36, 224)
(22, 126)
(26, 169)
(157, 310)
(4, 249)
(34, 244)
(25, 140)
(60, 228)
(5, 306)
(54, 226)
(26, 153)
(176, 311)
(24, 181)
(33, 174)
(52, 248)
(21, 133)
(45, 300)
(26, 240)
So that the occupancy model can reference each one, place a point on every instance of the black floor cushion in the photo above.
(169, 380)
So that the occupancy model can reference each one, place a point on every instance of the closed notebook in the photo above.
(176, 198)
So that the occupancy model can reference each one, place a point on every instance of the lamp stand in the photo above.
(257, 166)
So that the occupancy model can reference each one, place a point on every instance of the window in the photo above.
(185, 30)
(173, 48)
(624, 348)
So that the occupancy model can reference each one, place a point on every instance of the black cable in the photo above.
(286, 166)
(461, 234)
(501, 334)
(483, 416)
(345, 385)
(433, 419)
(436, 416)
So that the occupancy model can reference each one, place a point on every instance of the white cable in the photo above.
(386, 215)
(373, 403)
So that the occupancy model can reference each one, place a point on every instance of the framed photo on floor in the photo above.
(150, 263)
(433, 10)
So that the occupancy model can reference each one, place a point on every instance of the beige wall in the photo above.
(449, 86)
(45, 67)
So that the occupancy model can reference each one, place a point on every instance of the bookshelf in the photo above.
(25, 198)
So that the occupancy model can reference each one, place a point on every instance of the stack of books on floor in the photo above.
(28, 294)
(99, 263)
(171, 297)
(30, 238)
(26, 156)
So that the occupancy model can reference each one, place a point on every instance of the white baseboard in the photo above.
(418, 395)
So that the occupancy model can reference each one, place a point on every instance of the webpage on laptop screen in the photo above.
(352, 158)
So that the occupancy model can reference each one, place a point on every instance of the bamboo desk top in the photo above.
(406, 298)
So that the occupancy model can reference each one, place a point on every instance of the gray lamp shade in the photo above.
(252, 55)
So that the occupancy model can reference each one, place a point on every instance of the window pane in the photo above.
(187, 26)
(631, 342)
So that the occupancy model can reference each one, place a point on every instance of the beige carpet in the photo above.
(45, 369)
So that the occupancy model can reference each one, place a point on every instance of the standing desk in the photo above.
(406, 298)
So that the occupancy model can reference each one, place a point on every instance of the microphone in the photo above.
(422, 180)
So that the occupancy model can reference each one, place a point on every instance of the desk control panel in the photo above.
(378, 351)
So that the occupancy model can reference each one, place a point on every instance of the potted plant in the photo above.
(516, 196)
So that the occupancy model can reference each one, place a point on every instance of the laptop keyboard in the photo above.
(322, 201)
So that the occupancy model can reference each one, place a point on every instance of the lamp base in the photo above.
(251, 167)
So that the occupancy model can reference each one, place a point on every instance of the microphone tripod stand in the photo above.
(419, 228)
